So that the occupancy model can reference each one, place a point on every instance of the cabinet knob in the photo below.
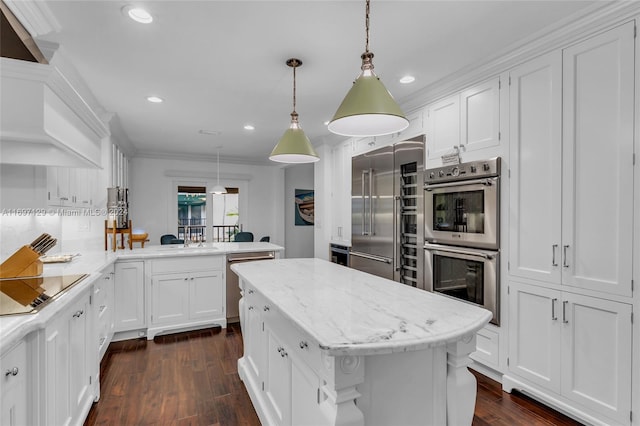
(251, 308)
(250, 291)
(266, 308)
(78, 314)
(108, 277)
(12, 372)
(303, 345)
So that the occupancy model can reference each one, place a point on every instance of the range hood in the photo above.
(43, 119)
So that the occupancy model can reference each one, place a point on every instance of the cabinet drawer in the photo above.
(298, 344)
(185, 264)
(15, 361)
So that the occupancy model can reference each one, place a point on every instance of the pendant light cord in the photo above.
(294, 88)
(366, 24)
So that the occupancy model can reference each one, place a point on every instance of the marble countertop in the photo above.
(14, 327)
(349, 312)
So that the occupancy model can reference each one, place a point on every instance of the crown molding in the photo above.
(588, 22)
(207, 158)
(35, 16)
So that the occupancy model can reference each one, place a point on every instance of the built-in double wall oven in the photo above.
(462, 232)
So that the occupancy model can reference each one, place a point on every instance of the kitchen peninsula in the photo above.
(53, 355)
(326, 344)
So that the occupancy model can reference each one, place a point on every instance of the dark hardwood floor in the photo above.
(191, 379)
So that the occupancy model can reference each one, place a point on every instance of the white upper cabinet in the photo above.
(444, 127)
(597, 178)
(535, 123)
(571, 190)
(480, 116)
(341, 193)
(468, 121)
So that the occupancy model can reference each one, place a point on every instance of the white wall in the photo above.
(298, 239)
(153, 206)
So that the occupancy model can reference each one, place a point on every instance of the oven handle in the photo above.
(485, 182)
(459, 251)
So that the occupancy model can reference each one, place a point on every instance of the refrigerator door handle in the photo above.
(372, 222)
(371, 257)
(364, 230)
(397, 215)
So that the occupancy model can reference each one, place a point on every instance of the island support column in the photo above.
(461, 384)
(342, 374)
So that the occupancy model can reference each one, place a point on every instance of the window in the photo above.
(192, 213)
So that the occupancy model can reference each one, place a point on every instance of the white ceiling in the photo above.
(221, 64)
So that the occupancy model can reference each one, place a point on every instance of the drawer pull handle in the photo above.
(303, 345)
(280, 349)
(266, 308)
(78, 314)
(564, 312)
(12, 372)
(251, 308)
(250, 291)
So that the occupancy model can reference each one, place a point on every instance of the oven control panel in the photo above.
(463, 171)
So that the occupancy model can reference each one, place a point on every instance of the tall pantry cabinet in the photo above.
(571, 225)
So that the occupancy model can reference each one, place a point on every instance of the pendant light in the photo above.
(368, 109)
(218, 189)
(294, 146)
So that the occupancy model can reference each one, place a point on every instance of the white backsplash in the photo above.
(74, 234)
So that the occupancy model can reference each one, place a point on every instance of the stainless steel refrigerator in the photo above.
(387, 212)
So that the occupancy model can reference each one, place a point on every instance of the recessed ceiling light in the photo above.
(138, 14)
(249, 127)
(209, 132)
(407, 79)
(155, 99)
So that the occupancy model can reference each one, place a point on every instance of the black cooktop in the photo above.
(29, 295)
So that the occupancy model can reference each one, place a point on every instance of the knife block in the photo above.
(23, 263)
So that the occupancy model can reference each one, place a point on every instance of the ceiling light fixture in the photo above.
(294, 146)
(138, 14)
(368, 109)
(155, 99)
(218, 189)
(407, 79)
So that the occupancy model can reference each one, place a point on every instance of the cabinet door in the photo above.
(13, 398)
(536, 169)
(253, 333)
(206, 295)
(597, 337)
(444, 127)
(341, 193)
(170, 299)
(57, 372)
(129, 296)
(534, 334)
(58, 187)
(480, 115)
(82, 355)
(82, 184)
(277, 383)
(598, 77)
(305, 394)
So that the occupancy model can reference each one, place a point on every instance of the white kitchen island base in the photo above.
(314, 354)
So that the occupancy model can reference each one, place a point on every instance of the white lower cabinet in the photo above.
(68, 362)
(283, 364)
(129, 296)
(277, 383)
(575, 346)
(13, 382)
(186, 292)
(103, 301)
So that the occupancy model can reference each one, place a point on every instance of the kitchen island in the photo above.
(326, 344)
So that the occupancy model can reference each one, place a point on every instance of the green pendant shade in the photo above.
(368, 110)
(294, 146)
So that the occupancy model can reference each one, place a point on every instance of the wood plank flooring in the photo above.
(191, 379)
